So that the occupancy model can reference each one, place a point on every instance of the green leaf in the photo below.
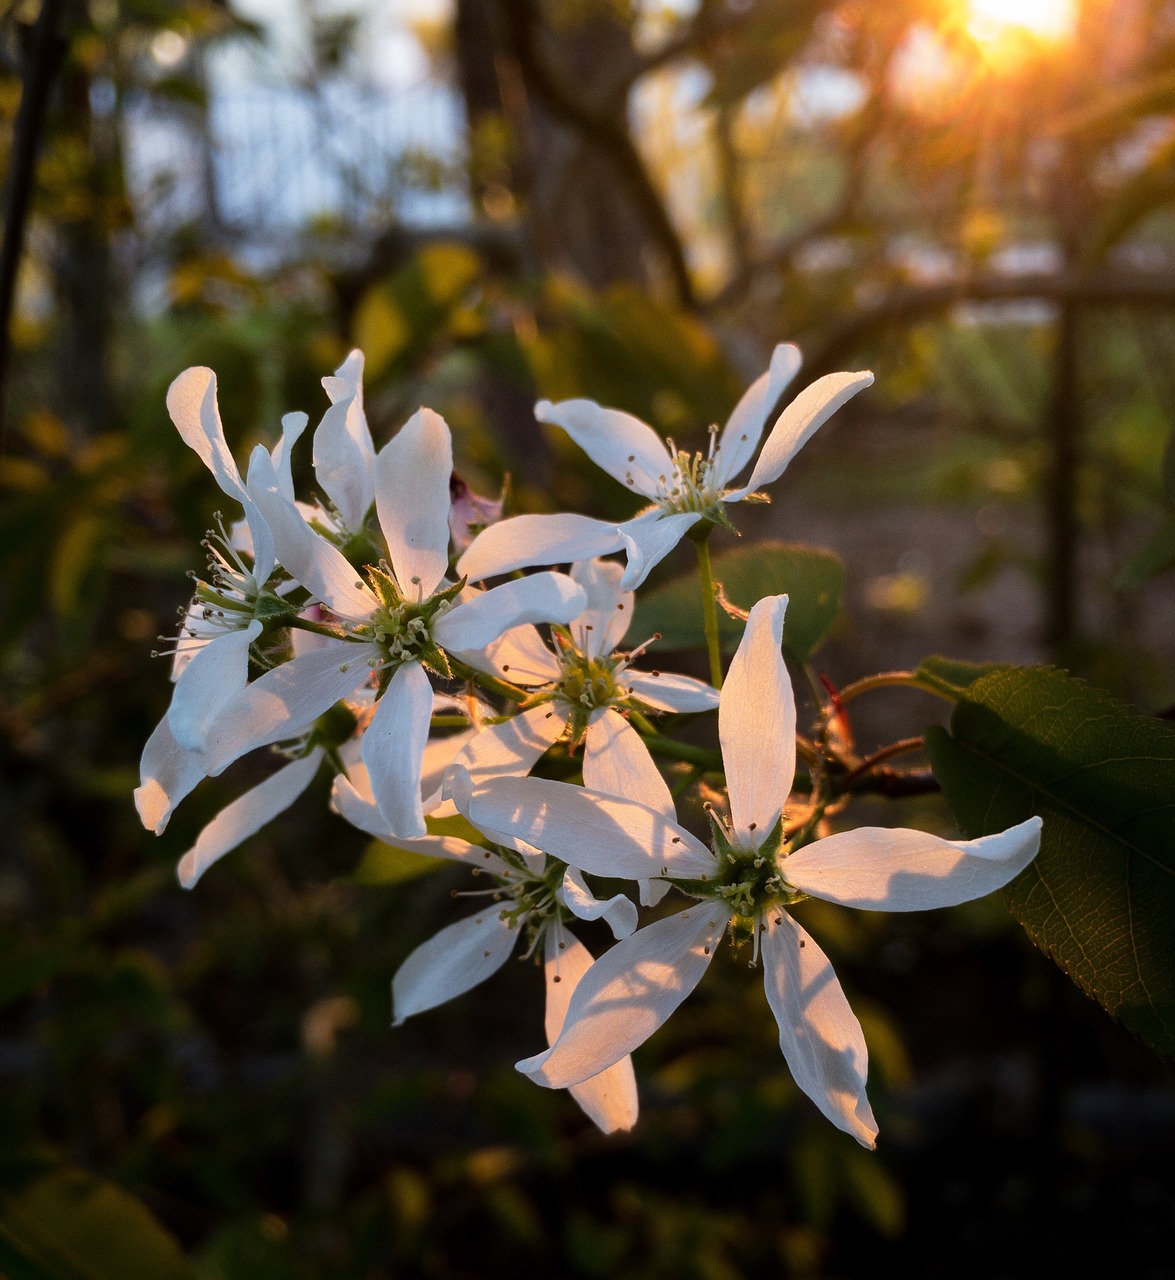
(1155, 557)
(950, 677)
(69, 1225)
(1100, 896)
(813, 579)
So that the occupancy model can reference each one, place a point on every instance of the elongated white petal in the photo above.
(344, 455)
(412, 476)
(757, 725)
(364, 814)
(819, 1034)
(520, 656)
(523, 541)
(619, 911)
(191, 403)
(617, 763)
(601, 834)
(609, 1099)
(344, 461)
(668, 692)
(895, 869)
(647, 541)
(286, 701)
(168, 773)
(210, 682)
(622, 445)
(628, 993)
(281, 455)
(247, 815)
(605, 618)
(439, 754)
(306, 556)
(393, 748)
(476, 623)
(452, 962)
(511, 749)
(744, 428)
(799, 422)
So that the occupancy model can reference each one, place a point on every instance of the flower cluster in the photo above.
(342, 633)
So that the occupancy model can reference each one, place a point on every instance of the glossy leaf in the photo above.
(812, 579)
(950, 677)
(1100, 897)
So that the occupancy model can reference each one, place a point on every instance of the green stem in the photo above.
(889, 680)
(491, 683)
(304, 624)
(683, 751)
(709, 608)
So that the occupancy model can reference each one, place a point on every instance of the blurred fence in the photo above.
(263, 163)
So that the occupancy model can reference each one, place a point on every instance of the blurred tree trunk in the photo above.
(83, 278)
(551, 139)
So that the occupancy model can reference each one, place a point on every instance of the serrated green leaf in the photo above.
(69, 1225)
(950, 677)
(813, 579)
(1100, 896)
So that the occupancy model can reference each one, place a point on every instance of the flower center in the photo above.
(689, 487)
(403, 628)
(588, 682)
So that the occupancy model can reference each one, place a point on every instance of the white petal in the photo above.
(668, 692)
(281, 455)
(213, 679)
(819, 1034)
(520, 656)
(601, 834)
(617, 762)
(168, 773)
(283, 703)
(895, 869)
(412, 476)
(286, 701)
(523, 541)
(393, 748)
(191, 402)
(439, 754)
(799, 422)
(511, 749)
(623, 445)
(628, 993)
(602, 624)
(744, 427)
(344, 455)
(476, 623)
(452, 962)
(247, 815)
(306, 556)
(363, 814)
(757, 725)
(648, 540)
(618, 911)
(609, 1099)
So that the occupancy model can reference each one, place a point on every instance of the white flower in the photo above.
(405, 619)
(529, 899)
(211, 663)
(683, 488)
(590, 685)
(745, 883)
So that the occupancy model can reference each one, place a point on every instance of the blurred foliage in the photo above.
(213, 1072)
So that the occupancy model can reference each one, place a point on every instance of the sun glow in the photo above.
(995, 22)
